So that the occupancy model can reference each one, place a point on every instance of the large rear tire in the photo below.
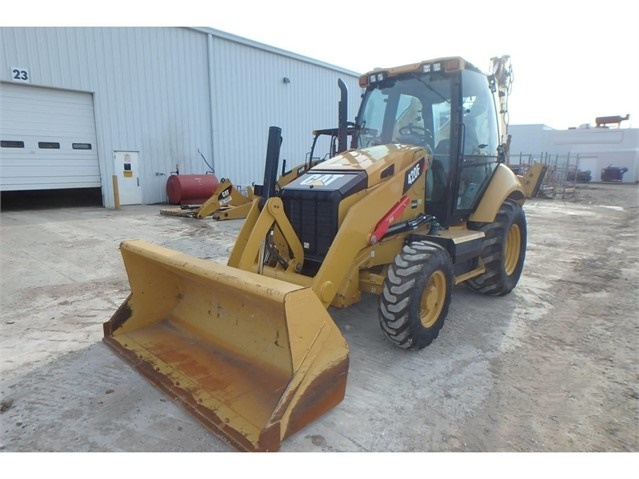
(416, 295)
(503, 251)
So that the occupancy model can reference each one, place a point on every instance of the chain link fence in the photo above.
(562, 175)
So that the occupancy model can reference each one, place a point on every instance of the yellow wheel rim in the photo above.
(433, 299)
(512, 249)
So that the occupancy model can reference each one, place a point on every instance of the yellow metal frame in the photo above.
(233, 200)
(232, 213)
(341, 266)
(221, 342)
(236, 205)
(531, 180)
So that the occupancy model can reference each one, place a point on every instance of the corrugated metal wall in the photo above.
(150, 90)
(251, 96)
(152, 94)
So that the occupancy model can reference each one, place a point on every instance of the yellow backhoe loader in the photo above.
(422, 201)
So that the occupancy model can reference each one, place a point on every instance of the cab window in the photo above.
(479, 140)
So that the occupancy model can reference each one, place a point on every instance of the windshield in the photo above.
(412, 110)
(480, 127)
(419, 110)
(480, 139)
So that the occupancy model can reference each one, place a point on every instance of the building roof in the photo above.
(278, 51)
(540, 126)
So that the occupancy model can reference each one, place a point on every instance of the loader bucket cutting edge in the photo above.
(252, 358)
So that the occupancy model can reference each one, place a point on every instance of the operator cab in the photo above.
(447, 107)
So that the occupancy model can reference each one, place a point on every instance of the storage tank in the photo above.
(190, 189)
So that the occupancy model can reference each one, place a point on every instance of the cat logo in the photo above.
(225, 193)
(320, 179)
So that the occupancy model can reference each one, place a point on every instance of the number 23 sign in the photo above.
(20, 75)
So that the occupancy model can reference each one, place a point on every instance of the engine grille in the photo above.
(314, 222)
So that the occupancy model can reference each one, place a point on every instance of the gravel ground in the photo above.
(551, 367)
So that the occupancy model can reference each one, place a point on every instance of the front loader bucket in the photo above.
(251, 357)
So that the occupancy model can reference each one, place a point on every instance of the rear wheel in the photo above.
(416, 295)
(503, 251)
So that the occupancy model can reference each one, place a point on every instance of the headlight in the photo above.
(377, 77)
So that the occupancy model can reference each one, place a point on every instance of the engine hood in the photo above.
(379, 162)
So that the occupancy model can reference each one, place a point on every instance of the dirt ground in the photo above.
(550, 367)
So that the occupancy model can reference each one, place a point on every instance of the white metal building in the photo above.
(80, 105)
(589, 148)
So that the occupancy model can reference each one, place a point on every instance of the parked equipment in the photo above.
(579, 176)
(613, 174)
(422, 202)
(227, 202)
(604, 121)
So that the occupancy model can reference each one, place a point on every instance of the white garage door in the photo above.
(48, 139)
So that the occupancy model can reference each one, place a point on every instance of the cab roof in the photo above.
(446, 64)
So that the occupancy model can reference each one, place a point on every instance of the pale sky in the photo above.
(572, 60)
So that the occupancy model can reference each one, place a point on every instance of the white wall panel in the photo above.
(33, 117)
(611, 146)
(152, 94)
(251, 97)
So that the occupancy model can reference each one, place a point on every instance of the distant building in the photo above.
(80, 105)
(588, 148)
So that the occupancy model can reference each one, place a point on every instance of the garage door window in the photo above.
(81, 146)
(49, 145)
(11, 144)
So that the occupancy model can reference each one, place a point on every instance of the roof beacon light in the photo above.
(452, 65)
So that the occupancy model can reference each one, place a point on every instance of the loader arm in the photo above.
(227, 202)
(224, 196)
(341, 264)
(253, 234)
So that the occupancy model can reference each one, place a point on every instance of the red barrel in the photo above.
(190, 189)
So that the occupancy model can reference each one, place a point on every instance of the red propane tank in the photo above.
(190, 189)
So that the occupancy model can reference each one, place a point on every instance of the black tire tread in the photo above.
(398, 296)
(494, 281)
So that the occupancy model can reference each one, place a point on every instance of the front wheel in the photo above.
(416, 295)
(503, 251)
